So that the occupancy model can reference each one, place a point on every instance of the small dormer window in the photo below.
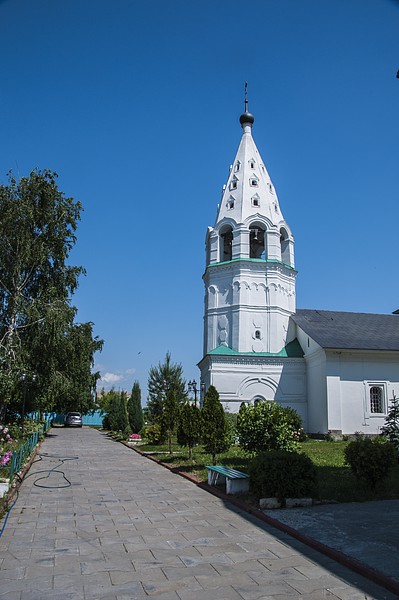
(233, 183)
(252, 164)
(230, 204)
(253, 182)
(270, 188)
(255, 201)
(257, 334)
(237, 166)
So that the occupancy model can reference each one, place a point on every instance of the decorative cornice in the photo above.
(255, 360)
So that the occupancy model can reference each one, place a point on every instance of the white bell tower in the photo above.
(250, 275)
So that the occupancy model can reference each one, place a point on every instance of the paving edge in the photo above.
(347, 561)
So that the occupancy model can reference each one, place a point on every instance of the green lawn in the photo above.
(336, 481)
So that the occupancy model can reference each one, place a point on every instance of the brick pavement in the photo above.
(126, 528)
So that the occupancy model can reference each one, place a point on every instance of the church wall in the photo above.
(317, 392)
(315, 360)
(240, 379)
(357, 373)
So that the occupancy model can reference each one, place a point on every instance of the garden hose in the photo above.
(48, 472)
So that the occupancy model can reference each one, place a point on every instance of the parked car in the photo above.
(73, 419)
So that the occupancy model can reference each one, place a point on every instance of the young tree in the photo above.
(123, 419)
(391, 428)
(169, 416)
(189, 427)
(166, 377)
(215, 433)
(134, 409)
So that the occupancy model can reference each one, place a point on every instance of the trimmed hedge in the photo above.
(370, 460)
(282, 474)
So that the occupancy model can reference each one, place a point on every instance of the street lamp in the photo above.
(192, 386)
(26, 380)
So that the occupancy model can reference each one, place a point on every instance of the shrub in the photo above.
(268, 426)
(282, 474)
(370, 460)
(154, 434)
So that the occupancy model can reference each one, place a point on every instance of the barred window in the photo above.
(376, 399)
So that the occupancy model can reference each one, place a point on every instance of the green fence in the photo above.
(21, 455)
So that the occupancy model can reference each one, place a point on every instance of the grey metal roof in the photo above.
(346, 330)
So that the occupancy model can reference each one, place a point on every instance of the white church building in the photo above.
(338, 370)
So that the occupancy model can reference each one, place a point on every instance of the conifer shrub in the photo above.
(391, 427)
(215, 432)
(370, 459)
(134, 409)
(282, 474)
(189, 427)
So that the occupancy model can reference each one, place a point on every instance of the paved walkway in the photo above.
(126, 528)
(365, 531)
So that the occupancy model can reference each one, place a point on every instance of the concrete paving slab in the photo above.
(128, 528)
(366, 531)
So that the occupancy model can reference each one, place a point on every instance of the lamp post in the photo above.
(192, 386)
(202, 394)
(25, 380)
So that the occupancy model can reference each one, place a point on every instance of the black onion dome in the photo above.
(247, 118)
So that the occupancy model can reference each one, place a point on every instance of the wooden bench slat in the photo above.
(236, 481)
(228, 472)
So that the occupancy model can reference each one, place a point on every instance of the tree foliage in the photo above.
(189, 427)
(391, 428)
(169, 416)
(134, 409)
(164, 378)
(215, 432)
(115, 406)
(266, 425)
(38, 334)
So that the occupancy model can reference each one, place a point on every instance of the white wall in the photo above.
(357, 371)
(245, 378)
(315, 360)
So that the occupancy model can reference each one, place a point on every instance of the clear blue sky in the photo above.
(136, 106)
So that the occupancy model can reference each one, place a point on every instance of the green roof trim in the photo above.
(291, 350)
(255, 260)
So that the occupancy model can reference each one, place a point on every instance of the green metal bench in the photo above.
(236, 481)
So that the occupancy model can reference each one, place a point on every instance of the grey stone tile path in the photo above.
(126, 528)
(365, 531)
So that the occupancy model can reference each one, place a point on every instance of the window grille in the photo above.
(376, 400)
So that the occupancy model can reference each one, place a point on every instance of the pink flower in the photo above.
(5, 459)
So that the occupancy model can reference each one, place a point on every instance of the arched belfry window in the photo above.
(257, 240)
(226, 244)
(285, 248)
